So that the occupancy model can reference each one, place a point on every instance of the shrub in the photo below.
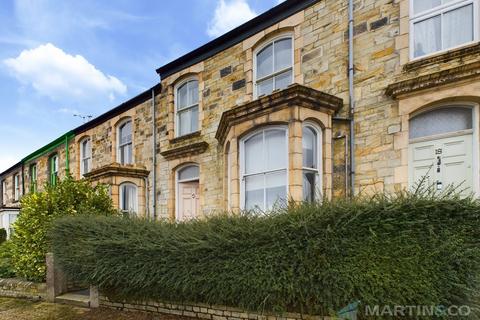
(403, 250)
(68, 197)
(6, 268)
(3, 235)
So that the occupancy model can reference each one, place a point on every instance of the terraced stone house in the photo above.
(311, 99)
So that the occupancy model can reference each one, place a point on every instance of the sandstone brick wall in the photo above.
(16, 288)
(202, 311)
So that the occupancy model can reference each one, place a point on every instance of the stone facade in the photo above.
(390, 88)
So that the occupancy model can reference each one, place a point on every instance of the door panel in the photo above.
(456, 168)
(188, 200)
(446, 162)
(422, 160)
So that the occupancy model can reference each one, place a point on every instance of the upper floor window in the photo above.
(186, 108)
(442, 24)
(4, 192)
(33, 178)
(264, 163)
(274, 66)
(53, 164)
(128, 198)
(85, 156)
(311, 146)
(125, 155)
(16, 187)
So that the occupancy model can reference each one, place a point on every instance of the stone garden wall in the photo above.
(16, 288)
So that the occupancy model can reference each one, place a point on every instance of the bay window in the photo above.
(186, 108)
(274, 66)
(128, 198)
(311, 147)
(264, 168)
(438, 25)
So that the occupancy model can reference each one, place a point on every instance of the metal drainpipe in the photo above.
(351, 70)
(154, 175)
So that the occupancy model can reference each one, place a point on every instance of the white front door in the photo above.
(188, 202)
(443, 162)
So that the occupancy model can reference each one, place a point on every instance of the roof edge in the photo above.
(240, 33)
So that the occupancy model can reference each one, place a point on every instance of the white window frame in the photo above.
(242, 162)
(319, 144)
(84, 158)
(177, 184)
(119, 146)
(177, 113)
(121, 195)
(4, 192)
(440, 10)
(274, 74)
(16, 187)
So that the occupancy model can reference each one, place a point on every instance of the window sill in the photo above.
(442, 57)
(186, 137)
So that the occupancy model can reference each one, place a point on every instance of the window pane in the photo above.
(265, 87)
(275, 150)
(309, 146)
(283, 54)
(192, 92)
(276, 188)
(427, 36)
(254, 154)
(254, 189)
(265, 62)
(188, 173)
(184, 122)
(194, 119)
(440, 121)
(309, 185)
(283, 80)
(126, 133)
(458, 28)
(423, 5)
(182, 94)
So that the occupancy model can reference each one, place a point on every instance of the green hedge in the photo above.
(401, 250)
(29, 243)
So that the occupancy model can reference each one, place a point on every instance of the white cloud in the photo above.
(228, 15)
(59, 75)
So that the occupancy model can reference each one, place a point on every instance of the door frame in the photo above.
(177, 183)
(475, 137)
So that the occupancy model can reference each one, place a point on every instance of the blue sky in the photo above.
(65, 57)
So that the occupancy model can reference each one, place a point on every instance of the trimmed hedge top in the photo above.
(316, 259)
